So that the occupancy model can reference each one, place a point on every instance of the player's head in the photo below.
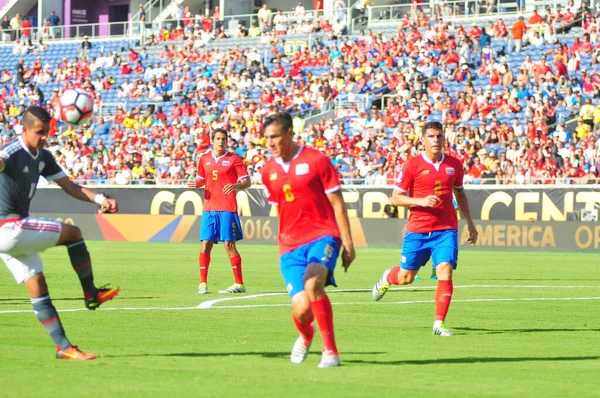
(36, 126)
(432, 137)
(279, 133)
(219, 138)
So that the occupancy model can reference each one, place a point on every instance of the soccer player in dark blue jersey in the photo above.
(22, 238)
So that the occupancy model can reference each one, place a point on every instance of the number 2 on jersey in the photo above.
(214, 175)
(287, 191)
(437, 188)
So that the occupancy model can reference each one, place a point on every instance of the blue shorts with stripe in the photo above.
(440, 246)
(293, 264)
(221, 226)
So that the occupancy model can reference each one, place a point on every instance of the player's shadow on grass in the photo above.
(281, 354)
(536, 279)
(21, 300)
(516, 331)
(469, 360)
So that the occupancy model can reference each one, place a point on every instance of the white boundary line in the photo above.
(210, 304)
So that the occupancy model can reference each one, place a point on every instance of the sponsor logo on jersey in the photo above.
(26, 169)
(301, 169)
(450, 170)
(226, 163)
(425, 172)
(208, 163)
(273, 177)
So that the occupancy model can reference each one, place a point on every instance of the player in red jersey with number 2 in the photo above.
(221, 173)
(302, 183)
(425, 186)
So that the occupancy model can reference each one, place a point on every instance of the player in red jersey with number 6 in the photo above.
(221, 173)
(302, 183)
(425, 186)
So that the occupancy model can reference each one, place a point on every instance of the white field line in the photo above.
(211, 303)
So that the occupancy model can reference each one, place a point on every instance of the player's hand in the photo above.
(192, 183)
(229, 188)
(110, 206)
(348, 255)
(430, 201)
(472, 234)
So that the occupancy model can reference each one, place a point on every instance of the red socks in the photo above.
(443, 296)
(323, 312)
(204, 261)
(392, 277)
(236, 267)
(306, 329)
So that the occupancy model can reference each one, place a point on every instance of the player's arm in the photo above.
(341, 217)
(463, 205)
(243, 178)
(86, 195)
(201, 179)
(333, 190)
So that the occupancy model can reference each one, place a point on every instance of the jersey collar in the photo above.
(436, 165)
(27, 149)
(286, 166)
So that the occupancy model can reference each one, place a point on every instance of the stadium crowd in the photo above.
(517, 137)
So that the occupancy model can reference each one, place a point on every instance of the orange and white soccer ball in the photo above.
(75, 106)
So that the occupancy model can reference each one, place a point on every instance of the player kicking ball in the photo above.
(22, 238)
(425, 185)
(221, 173)
(302, 183)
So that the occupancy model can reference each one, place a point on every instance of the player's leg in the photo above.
(28, 269)
(71, 237)
(208, 235)
(415, 254)
(445, 257)
(433, 276)
(231, 231)
(321, 257)
(293, 269)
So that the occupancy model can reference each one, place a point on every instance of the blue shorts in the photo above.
(293, 264)
(440, 246)
(221, 226)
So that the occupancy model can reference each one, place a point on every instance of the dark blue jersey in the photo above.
(18, 180)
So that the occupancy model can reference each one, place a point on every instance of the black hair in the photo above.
(283, 119)
(220, 130)
(432, 125)
(34, 113)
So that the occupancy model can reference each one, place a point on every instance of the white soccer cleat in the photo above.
(329, 360)
(300, 350)
(203, 288)
(441, 330)
(382, 286)
(235, 288)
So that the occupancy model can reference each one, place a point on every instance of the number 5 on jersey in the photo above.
(287, 191)
(214, 175)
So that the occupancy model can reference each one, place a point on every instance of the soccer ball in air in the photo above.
(75, 106)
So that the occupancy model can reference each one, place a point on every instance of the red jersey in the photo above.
(299, 189)
(218, 172)
(420, 178)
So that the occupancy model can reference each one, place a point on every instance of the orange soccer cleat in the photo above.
(101, 297)
(73, 353)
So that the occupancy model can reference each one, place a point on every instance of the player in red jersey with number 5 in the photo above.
(221, 173)
(312, 223)
(425, 185)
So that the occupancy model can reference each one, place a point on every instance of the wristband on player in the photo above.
(99, 199)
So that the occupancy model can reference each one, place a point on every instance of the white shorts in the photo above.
(22, 241)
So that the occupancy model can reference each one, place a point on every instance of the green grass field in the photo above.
(152, 341)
